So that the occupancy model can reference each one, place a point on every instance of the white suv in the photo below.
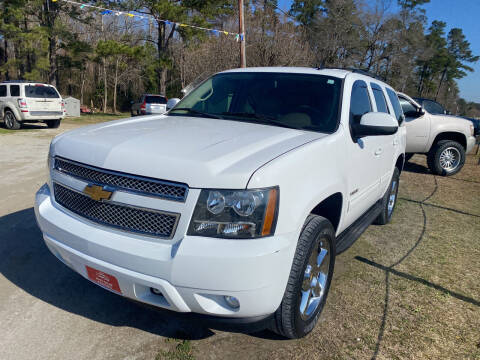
(235, 203)
(28, 102)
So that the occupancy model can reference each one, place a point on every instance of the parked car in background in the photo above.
(30, 102)
(445, 139)
(149, 104)
(235, 203)
(84, 109)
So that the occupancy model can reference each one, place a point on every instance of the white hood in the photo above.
(201, 152)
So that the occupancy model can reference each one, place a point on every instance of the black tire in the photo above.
(408, 157)
(387, 207)
(53, 124)
(11, 121)
(288, 322)
(434, 157)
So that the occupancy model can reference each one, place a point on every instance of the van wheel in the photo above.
(11, 121)
(53, 124)
(389, 200)
(446, 158)
(309, 281)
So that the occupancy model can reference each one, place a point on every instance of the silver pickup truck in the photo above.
(445, 139)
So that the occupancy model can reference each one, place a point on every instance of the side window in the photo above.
(359, 102)
(397, 109)
(407, 107)
(14, 90)
(379, 98)
(3, 90)
(433, 107)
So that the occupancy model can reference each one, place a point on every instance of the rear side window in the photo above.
(379, 98)
(14, 90)
(3, 90)
(359, 102)
(155, 100)
(41, 91)
(397, 109)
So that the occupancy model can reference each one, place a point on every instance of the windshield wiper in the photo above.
(264, 119)
(197, 112)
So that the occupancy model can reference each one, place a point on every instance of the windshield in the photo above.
(300, 101)
(41, 91)
(155, 99)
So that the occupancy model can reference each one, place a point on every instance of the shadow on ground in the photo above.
(416, 168)
(33, 126)
(28, 264)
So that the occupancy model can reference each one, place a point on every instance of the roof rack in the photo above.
(354, 70)
(16, 81)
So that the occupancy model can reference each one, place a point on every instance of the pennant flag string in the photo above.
(105, 11)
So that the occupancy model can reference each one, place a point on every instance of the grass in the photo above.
(95, 118)
(182, 351)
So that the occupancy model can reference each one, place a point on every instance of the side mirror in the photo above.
(415, 113)
(375, 124)
(172, 102)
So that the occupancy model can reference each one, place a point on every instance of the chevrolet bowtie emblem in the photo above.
(97, 193)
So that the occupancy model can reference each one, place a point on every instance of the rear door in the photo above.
(387, 143)
(43, 100)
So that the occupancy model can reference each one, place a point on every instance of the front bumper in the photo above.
(471, 140)
(193, 274)
(29, 117)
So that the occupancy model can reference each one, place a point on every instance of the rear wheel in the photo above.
(53, 124)
(389, 200)
(446, 158)
(11, 121)
(309, 281)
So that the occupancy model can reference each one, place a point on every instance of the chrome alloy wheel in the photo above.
(392, 198)
(9, 120)
(450, 159)
(315, 278)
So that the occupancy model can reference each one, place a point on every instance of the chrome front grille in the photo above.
(143, 185)
(124, 217)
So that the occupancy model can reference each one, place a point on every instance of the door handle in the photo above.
(378, 151)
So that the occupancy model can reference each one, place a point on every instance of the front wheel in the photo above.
(446, 158)
(53, 124)
(309, 281)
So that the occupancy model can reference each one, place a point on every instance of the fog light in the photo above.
(232, 301)
(156, 291)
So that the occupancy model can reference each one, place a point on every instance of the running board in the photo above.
(354, 231)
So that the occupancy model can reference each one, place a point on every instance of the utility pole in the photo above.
(241, 30)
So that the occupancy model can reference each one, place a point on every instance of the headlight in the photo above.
(236, 214)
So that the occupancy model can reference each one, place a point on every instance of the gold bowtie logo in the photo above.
(97, 193)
